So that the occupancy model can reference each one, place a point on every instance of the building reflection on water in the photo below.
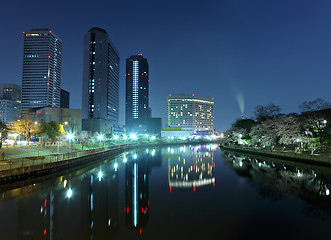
(137, 200)
(84, 207)
(84, 204)
(187, 170)
(275, 177)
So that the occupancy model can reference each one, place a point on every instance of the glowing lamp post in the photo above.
(100, 138)
(70, 137)
(133, 136)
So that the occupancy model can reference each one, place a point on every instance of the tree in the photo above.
(50, 129)
(264, 133)
(246, 124)
(285, 131)
(314, 106)
(3, 132)
(83, 137)
(314, 116)
(270, 111)
(234, 136)
(24, 127)
(289, 131)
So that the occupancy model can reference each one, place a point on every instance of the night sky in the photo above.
(265, 51)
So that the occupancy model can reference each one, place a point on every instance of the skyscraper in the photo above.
(100, 96)
(42, 59)
(137, 81)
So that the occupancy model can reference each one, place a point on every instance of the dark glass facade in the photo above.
(100, 94)
(65, 99)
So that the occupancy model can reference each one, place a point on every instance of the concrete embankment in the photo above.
(289, 156)
(59, 162)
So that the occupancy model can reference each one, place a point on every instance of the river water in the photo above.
(184, 192)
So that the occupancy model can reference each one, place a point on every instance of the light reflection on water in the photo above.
(174, 192)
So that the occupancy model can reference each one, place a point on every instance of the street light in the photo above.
(133, 136)
(100, 138)
(70, 137)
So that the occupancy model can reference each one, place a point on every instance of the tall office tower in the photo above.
(191, 112)
(101, 66)
(137, 107)
(42, 59)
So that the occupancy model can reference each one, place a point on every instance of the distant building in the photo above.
(98, 125)
(71, 119)
(174, 132)
(10, 102)
(137, 95)
(42, 59)
(100, 96)
(65, 99)
(147, 126)
(191, 112)
(9, 110)
(10, 91)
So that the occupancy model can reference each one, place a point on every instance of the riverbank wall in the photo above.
(289, 156)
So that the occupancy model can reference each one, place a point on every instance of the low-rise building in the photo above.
(71, 119)
(10, 102)
(9, 110)
(174, 132)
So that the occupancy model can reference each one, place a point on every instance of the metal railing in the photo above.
(19, 163)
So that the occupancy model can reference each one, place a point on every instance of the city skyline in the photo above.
(248, 53)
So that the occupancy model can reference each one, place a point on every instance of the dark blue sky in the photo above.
(267, 51)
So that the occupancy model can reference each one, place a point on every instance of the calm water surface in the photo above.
(184, 192)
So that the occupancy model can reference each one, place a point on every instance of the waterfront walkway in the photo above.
(290, 156)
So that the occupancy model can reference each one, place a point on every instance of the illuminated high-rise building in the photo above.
(101, 66)
(42, 59)
(137, 81)
(191, 112)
